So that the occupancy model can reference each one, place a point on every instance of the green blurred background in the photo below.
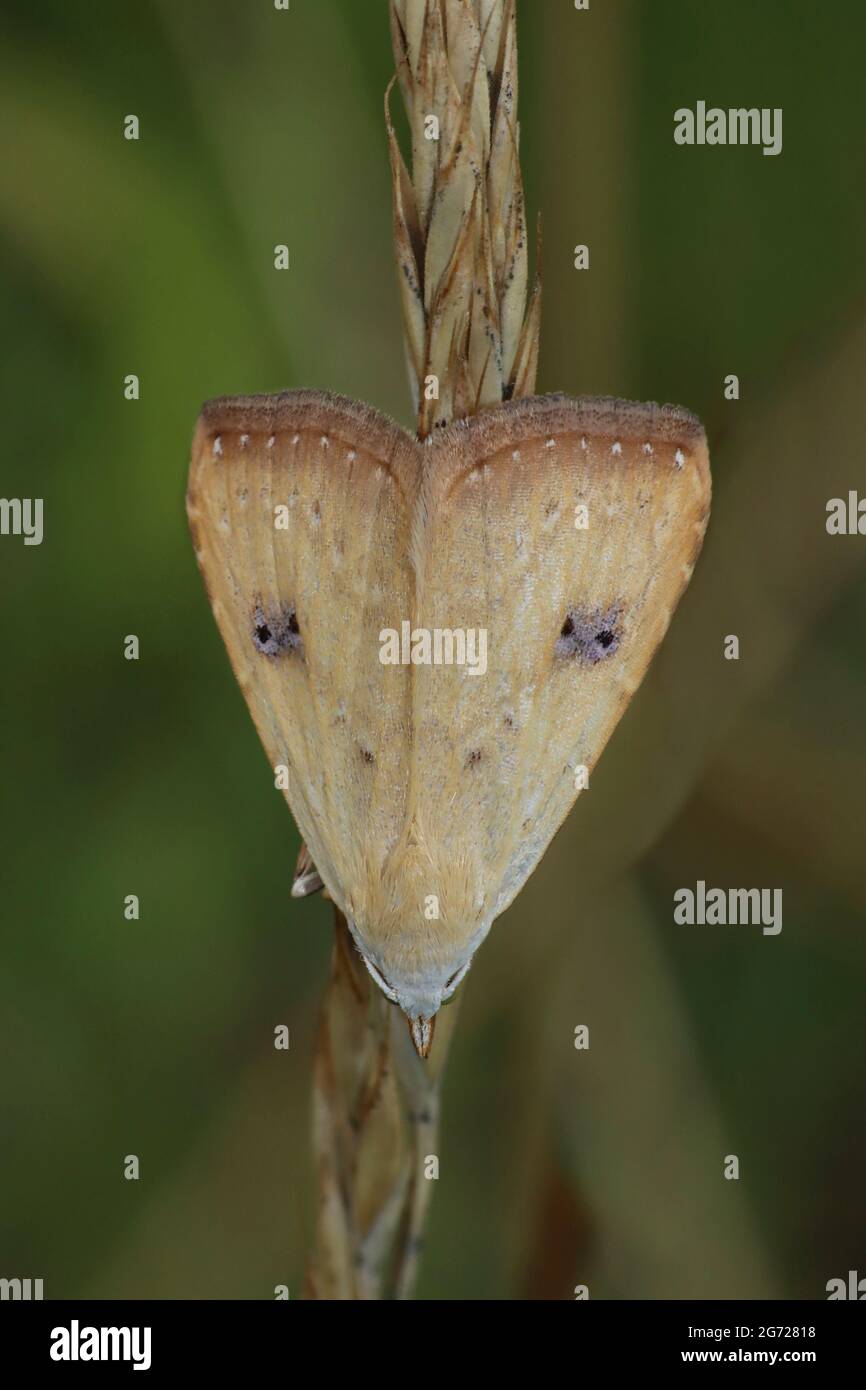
(156, 1037)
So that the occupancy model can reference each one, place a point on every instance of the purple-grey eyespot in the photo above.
(276, 630)
(590, 635)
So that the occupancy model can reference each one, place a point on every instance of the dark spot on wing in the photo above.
(590, 635)
(474, 758)
(367, 755)
(276, 630)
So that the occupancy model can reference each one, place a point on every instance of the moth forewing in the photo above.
(573, 612)
(300, 509)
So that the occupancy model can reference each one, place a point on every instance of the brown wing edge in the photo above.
(675, 437)
(635, 421)
(350, 422)
(666, 428)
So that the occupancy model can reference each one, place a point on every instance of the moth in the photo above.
(565, 529)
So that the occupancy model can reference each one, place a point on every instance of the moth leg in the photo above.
(306, 880)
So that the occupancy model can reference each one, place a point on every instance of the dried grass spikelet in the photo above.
(459, 220)
(461, 247)
(375, 1119)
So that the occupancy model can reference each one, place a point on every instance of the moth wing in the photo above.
(300, 508)
(574, 604)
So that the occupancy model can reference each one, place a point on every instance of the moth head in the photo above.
(420, 998)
